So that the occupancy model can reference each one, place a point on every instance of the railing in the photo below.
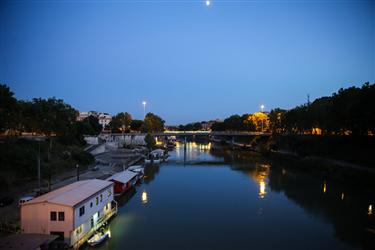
(100, 222)
(200, 132)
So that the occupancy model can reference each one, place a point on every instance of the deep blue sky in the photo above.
(188, 61)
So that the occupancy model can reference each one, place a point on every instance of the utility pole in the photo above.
(77, 167)
(39, 175)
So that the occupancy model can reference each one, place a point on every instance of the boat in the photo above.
(139, 170)
(98, 238)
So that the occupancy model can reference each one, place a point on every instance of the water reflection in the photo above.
(275, 203)
(144, 197)
(341, 205)
(369, 210)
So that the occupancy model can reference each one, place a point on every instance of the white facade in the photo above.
(74, 211)
(104, 119)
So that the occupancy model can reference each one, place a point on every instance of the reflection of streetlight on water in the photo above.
(144, 197)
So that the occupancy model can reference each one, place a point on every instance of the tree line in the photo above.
(257, 121)
(349, 111)
(54, 117)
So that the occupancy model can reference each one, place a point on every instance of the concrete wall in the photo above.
(92, 140)
(35, 218)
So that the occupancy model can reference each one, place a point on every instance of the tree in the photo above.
(152, 123)
(277, 120)
(8, 108)
(121, 122)
(136, 125)
(260, 121)
(150, 141)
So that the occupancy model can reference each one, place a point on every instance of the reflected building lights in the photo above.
(324, 187)
(342, 196)
(144, 197)
(369, 210)
(262, 189)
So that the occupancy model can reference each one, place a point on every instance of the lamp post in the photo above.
(262, 110)
(77, 166)
(144, 108)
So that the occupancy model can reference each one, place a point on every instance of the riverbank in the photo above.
(341, 157)
(105, 164)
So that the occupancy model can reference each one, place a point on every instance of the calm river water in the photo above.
(219, 199)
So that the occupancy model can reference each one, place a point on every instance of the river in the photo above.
(205, 198)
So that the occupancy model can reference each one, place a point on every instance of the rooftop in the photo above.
(73, 194)
(123, 176)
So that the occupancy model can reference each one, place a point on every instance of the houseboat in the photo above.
(123, 181)
(139, 169)
(73, 212)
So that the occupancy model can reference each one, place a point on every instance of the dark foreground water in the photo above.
(210, 199)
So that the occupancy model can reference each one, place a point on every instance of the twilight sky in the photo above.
(189, 62)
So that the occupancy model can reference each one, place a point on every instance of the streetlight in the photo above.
(262, 109)
(144, 108)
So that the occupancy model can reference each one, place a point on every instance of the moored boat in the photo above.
(98, 238)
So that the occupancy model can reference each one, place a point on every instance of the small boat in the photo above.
(98, 238)
(139, 170)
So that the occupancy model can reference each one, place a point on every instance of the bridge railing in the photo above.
(199, 132)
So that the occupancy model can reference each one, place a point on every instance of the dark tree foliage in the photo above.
(235, 123)
(152, 123)
(191, 127)
(8, 108)
(150, 141)
(121, 122)
(349, 111)
(136, 125)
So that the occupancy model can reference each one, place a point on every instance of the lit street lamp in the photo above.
(262, 109)
(144, 108)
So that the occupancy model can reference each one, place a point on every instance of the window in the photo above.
(97, 200)
(101, 198)
(90, 204)
(53, 216)
(92, 222)
(109, 192)
(61, 216)
(81, 210)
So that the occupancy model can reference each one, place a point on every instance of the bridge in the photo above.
(199, 133)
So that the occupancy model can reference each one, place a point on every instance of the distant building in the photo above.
(73, 212)
(104, 118)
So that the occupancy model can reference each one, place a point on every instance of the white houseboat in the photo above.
(73, 212)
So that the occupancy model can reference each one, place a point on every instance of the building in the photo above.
(72, 212)
(123, 181)
(104, 119)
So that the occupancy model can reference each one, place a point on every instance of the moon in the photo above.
(208, 3)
